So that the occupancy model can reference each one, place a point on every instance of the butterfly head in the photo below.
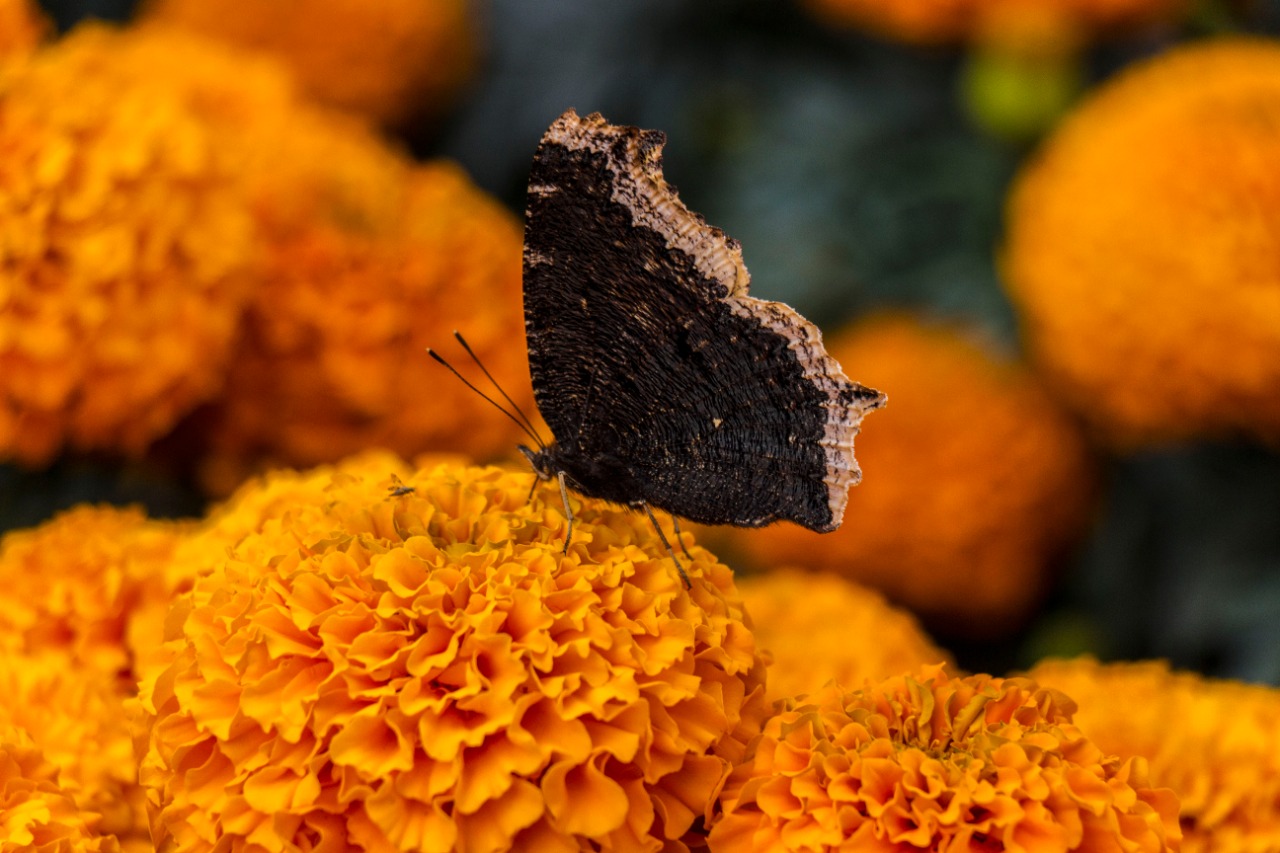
(541, 461)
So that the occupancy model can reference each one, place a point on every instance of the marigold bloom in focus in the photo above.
(973, 481)
(36, 814)
(389, 60)
(72, 583)
(22, 26)
(933, 21)
(931, 762)
(76, 716)
(1140, 248)
(126, 252)
(334, 356)
(412, 662)
(816, 626)
(1215, 743)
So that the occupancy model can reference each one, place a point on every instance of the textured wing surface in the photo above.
(647, 352)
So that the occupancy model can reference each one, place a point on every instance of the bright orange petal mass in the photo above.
(939, 763)
(408, 661)
(1140, 249)
(22, 27)
(929, 21)
(974, 481)
(76, 716)
(72, 584)
(334, 356)
(391, 61)
(1215, 743)
(816, 627)
(36, 814)
(126, 251)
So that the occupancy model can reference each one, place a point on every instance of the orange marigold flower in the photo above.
(76, 716)
(72, 583)
(1215, 743)
(333, 359)
(803, 622)
(1140, 248)
(36, 814)
(932, 762)
(974, 481)
(126, 251)
(934, 21)
(414, 663)
(22, 27)
(390, 60)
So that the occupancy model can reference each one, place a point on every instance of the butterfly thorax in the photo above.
(594, 475)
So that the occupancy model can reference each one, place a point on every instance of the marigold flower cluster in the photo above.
(1140, 249)
(936, 21)
(974, 481)
(333, 359)
(412, 661)
(936, 762)
(76, 717)
(126, 253)
(1215, 743)
(390, 61)
(72, 584)
(190, 194)
(37, 815)
(816, 627)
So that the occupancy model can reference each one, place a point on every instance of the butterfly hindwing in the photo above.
(661, 379)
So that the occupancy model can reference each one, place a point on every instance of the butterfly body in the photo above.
(662, 380)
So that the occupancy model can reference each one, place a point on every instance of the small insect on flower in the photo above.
(664, 384)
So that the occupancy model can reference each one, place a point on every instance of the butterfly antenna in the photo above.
(529, 427)
(486, 397)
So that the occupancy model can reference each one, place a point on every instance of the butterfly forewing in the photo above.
(661, 379)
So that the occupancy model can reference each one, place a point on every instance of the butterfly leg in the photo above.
(675, 525)
(654, 521)
(568, 512)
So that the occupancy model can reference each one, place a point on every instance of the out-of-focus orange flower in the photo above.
(931, 762)
(1140, 248)
(413, 662)
(334, 356)
(72, 583)
(125, 250)
(76, 716)
(22, 27)
(36, 814)
(973, 481)
(390, 60)
(1215, 743)
(935, 21)
(816, 627)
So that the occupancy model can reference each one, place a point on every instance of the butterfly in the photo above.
(663, 382)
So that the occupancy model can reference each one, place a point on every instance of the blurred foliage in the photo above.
(850, 173)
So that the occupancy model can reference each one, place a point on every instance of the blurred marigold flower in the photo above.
(816, 626)
(974, 481)
(333, 359)
(391, 61)
(391, 669)
(72, 583)
(932, 762)
(1140, 248)
(22, 27)
(1215, 743)
(36, 814)
(76, 716)
(125, 247)
(936, 21)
